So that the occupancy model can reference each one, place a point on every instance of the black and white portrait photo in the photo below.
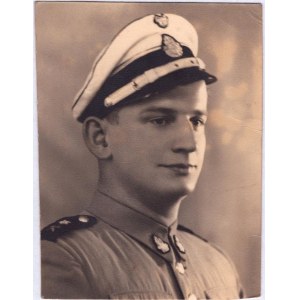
(150, 121)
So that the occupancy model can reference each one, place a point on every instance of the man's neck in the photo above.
(163, 210)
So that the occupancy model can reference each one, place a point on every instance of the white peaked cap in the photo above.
(136, 40)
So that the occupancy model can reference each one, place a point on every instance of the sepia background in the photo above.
(226, 206)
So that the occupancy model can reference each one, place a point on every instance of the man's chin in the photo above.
(180, 192)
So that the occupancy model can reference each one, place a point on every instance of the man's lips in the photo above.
(180, 165)
(179, 168)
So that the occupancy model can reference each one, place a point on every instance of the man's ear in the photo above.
(94, 134)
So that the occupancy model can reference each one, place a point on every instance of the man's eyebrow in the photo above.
(200, 112)
(166, 110)
(159, 110)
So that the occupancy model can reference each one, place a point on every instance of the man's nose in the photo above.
(185, 137)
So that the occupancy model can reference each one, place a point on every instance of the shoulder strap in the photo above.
(62, 226)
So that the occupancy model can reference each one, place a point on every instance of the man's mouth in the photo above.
(181, 169)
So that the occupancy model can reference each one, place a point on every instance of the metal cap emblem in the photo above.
(161, 245)
(161, 20)
(170, 46)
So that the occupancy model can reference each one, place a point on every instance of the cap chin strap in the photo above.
(151, 76)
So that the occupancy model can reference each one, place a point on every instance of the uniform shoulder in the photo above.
(65, 225)
(185, 229)
(211, 247)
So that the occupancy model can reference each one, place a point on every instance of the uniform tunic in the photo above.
(127, 255)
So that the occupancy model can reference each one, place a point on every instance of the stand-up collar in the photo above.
(158, 237)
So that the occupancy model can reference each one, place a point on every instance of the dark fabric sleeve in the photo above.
(62, 275)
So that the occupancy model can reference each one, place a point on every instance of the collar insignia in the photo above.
(178, 244)
(161, 20)
(170, 46)
(161, 245)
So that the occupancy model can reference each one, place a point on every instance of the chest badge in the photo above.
(170, 46)
(178, 244)
(161, 20)
(161, 245)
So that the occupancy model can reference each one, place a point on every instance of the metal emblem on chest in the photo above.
(170, 46)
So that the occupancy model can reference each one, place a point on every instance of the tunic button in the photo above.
(179, 267)
(192, 297)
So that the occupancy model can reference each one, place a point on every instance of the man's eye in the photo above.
(162, 121)
(198, 122)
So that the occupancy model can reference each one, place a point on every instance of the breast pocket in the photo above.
(223, 293)
(141, 295)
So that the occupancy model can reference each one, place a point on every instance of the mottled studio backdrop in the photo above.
(226, 207)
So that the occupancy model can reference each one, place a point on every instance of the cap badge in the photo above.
(161, 20)
(171, 47)
(178, 244)
(161, 245)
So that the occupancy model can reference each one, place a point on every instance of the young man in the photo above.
(143, 109)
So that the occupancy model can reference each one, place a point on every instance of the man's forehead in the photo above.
(189, 100)
(190, 95)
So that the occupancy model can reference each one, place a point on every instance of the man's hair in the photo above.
(113, 117)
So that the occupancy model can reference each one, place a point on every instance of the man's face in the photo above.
(158, 144)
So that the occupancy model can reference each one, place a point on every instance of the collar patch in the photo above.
(178, 244)
(161, 245)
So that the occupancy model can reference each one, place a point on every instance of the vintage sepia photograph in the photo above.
(150, 130)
